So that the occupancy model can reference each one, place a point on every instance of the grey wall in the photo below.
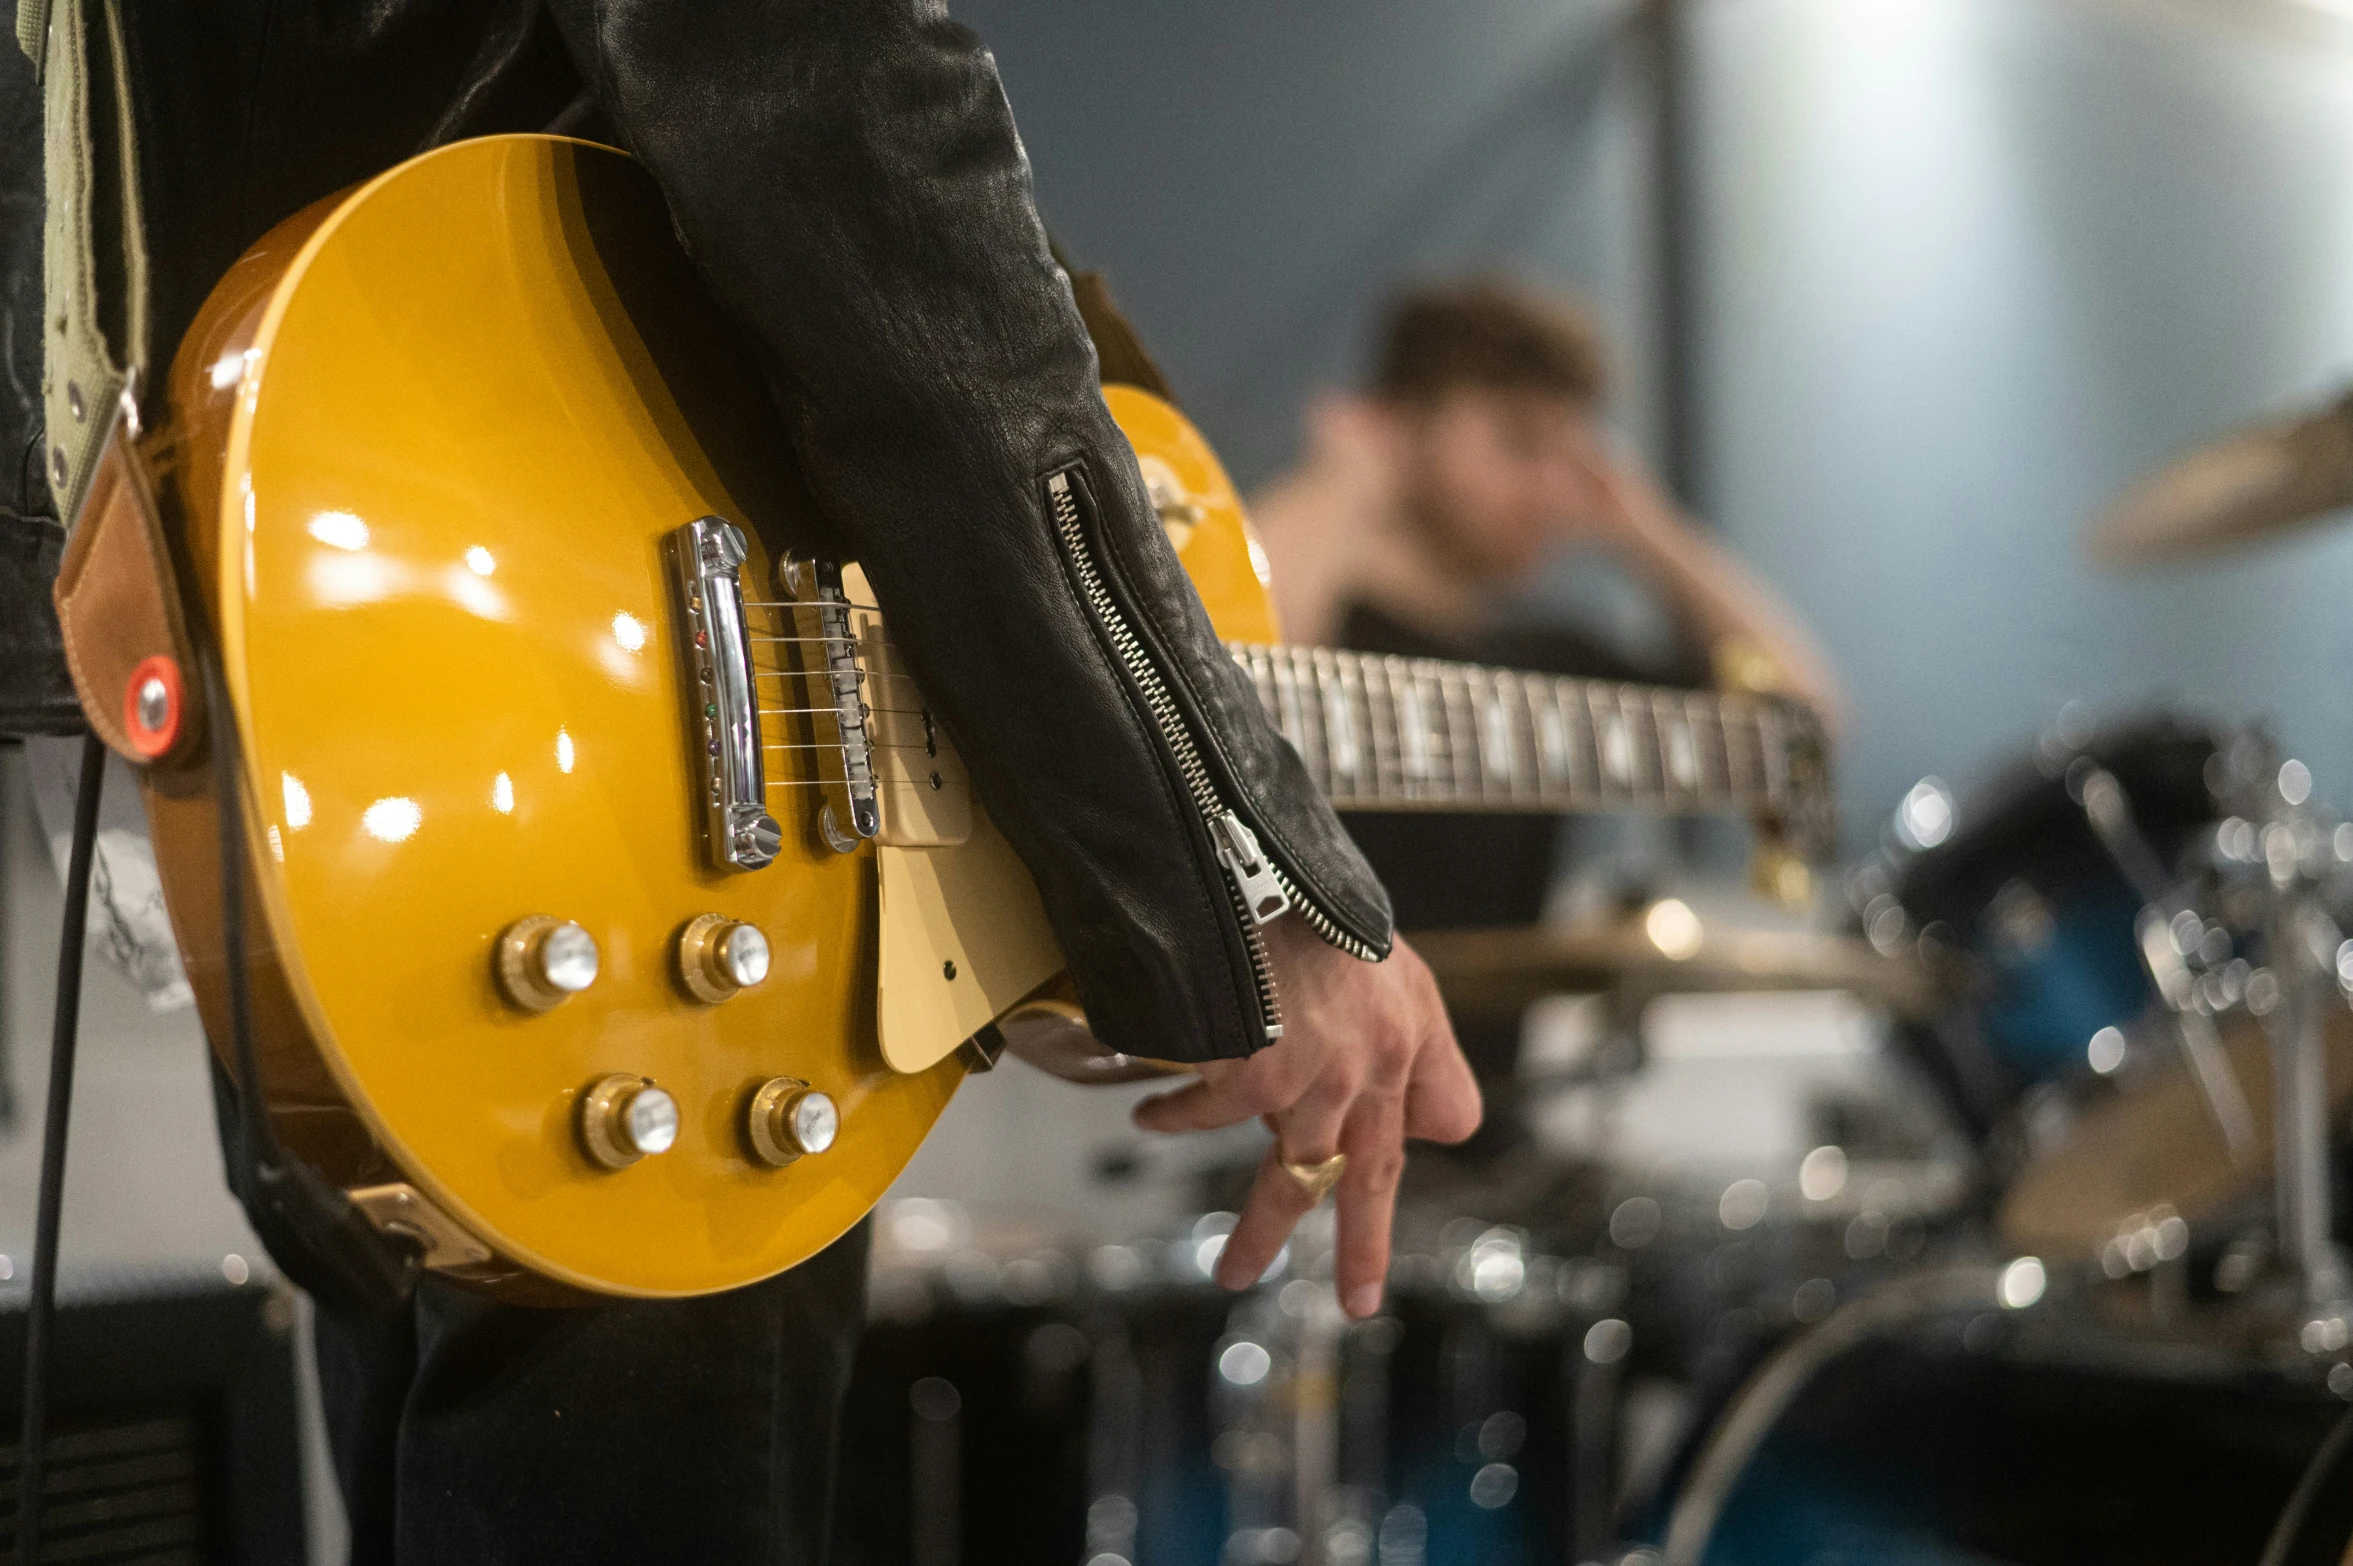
(1972, 265)
(1969, 265)
(1255, 178)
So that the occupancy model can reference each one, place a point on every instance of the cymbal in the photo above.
(1487, 972)
(2155, 1151)
(2262, 480)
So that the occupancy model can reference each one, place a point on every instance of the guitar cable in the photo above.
(41, 1309)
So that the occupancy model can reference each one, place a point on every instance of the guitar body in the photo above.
(427, 446)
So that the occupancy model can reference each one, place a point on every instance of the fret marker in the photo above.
(1682, 756)
(1495, 738)
(1414, 732)
(1339, 729)
(1617, 750)
(1555, 742)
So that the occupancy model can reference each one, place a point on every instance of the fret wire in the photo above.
(1468, 766)
(1519, 718)
(1356, 698)
(1716, 721)
(1319, 670)
(1502, 694)
(1649, 764)
(1462, 713)
(1462, 721)
(1432, 681)
(1678, 761)
(1700, 718)
(1556, 697)
(1292, 678)
(1393, 703)
(1429, 711)
(1547, 736)
(1543, 759)
(1356, 689)
(1611, 763)
(1312, 671)
(1495, 704)
(1460, 763)
(1288, 701)
(1447, 735)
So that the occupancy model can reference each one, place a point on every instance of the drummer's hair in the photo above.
(1489, 333)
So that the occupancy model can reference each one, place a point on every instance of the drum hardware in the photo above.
(2295, 866)
(2172, 938)
(2150, 885)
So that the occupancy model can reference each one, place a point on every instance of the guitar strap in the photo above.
(118, 605)
(94, 254)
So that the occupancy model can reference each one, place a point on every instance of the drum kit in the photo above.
(2123, 1330)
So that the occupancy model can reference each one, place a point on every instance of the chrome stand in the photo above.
(2299, 1115)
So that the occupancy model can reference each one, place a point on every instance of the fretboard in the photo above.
(1385, 733)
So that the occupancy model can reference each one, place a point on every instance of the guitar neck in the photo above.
(1386, 733)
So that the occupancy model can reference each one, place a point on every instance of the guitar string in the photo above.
(1441, 686)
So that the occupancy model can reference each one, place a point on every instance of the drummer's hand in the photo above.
(1367, 1059)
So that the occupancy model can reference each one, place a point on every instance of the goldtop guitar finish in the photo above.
(561, 802)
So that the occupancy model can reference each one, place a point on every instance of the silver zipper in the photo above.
(1260, 891)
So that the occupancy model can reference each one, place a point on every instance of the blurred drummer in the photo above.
(1427, 517)
(1429, 508)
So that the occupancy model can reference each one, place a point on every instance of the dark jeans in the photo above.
(695, 1430)
(634, 1433)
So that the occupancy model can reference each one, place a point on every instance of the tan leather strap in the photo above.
(120, 615)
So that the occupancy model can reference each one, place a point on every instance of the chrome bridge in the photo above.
(706, 562)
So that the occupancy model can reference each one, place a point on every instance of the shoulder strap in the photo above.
(85, 380)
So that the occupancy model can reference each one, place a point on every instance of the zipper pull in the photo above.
(1237, 848)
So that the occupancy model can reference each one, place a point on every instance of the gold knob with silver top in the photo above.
(624, 1118)
(719, 957)
(790, 1119)
(543, 961)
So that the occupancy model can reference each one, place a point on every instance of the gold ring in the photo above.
(1316, 1179)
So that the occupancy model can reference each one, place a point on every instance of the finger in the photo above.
(1277, 1203)
(1441, 1095)
(1375, 1144)
(1309, 1131)
(1229, 1092)
(1198, 1107)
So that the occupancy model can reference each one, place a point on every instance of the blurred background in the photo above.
(1897, 297)
(1900, 294)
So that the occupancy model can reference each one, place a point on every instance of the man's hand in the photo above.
(1367, 1059)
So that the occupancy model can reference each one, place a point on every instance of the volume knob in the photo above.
(719, 957)
(625, 1118)
(543, 962)
(790, 1119)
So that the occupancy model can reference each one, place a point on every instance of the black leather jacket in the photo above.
(847, 176)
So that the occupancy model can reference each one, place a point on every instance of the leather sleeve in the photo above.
(847, 176)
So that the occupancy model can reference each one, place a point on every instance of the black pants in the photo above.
(697, 1431)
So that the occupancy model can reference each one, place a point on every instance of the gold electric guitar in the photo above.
(617, 916)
